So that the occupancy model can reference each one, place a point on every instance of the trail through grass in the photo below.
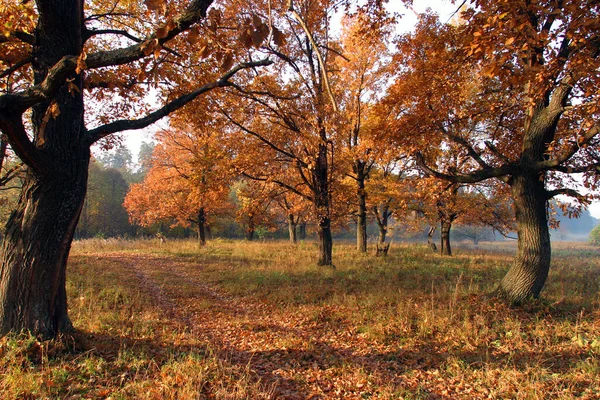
(261, 320)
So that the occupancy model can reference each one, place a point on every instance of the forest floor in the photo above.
(239, 320)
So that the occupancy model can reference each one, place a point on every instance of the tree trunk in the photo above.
(250, 229)
(201, 227)
(302, 231)
(325, 242)
(430, 242)
(361, 217)
(292, 224)
(446, 225)
(321, 183)
(35, 252)
(382, 221)
(40, 231)
(528, 274)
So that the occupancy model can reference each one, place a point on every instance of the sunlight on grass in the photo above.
(237, 320)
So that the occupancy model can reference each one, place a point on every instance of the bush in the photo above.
(595, 235)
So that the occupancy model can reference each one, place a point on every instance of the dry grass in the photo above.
(261, 320)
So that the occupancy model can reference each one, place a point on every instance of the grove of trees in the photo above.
(302, 111)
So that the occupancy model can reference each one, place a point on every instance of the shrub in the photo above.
(595, 235)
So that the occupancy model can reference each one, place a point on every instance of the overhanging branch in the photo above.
(473, 177)
(122, 125)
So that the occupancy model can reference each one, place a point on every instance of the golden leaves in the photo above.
(156, 5)
(81, 65)
(254, 31)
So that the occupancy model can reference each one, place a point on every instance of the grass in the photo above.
(261, 320)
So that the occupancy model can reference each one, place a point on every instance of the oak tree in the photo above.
(53, 51)
(514, 86)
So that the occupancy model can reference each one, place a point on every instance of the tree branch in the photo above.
(473, 177)
(13, 127)
(556, 163)
(316, 49)
(122, 125)
(15, 67)
(567, 192)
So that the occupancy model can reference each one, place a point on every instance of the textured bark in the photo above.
(250, 229)
(430, 242)
(302, 231)
(527, 276)
(382, 221)
(292, 224)
(445, 249)
(201, 227)
(321, 184)
(361, 215)
(39, 233)
(35, 251)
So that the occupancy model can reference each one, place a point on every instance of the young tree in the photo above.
(47, 46)
(363, 72)
(188, 181)
(515, 87)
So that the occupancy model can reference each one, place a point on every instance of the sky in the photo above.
(444, 8)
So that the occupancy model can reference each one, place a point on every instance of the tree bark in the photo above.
(445, 249)
(430, 242)
(382, 221)
(35, 251)
(321, 184)
(292, 224)
(250, 229)
(528, 274)
(302, 230)
(201, 227)
(361, 216)
(40, 231)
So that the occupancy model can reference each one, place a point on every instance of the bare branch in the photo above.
(316, 49)
(473, 177)
(15, 67)
(122, 125)
(556, 163)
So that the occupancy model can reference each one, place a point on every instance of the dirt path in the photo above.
(300, 354)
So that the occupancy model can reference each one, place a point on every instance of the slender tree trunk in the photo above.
(430, 241)
(250, 229)
(201, 227)
(528, 274)
(445, 249)
(208, 231)
(40, 231)
(361, 217)
(382, 221)
(292, 224)
(302, 231)
(321, 180)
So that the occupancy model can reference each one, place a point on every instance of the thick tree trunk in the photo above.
(445, 249)
(361, 216)
(292, 224)
(201, 227)
(40, 231)
(35, 251)
(528, 274)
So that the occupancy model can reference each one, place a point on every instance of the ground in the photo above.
(261, 320)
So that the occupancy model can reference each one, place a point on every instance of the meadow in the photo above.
(258, 320)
